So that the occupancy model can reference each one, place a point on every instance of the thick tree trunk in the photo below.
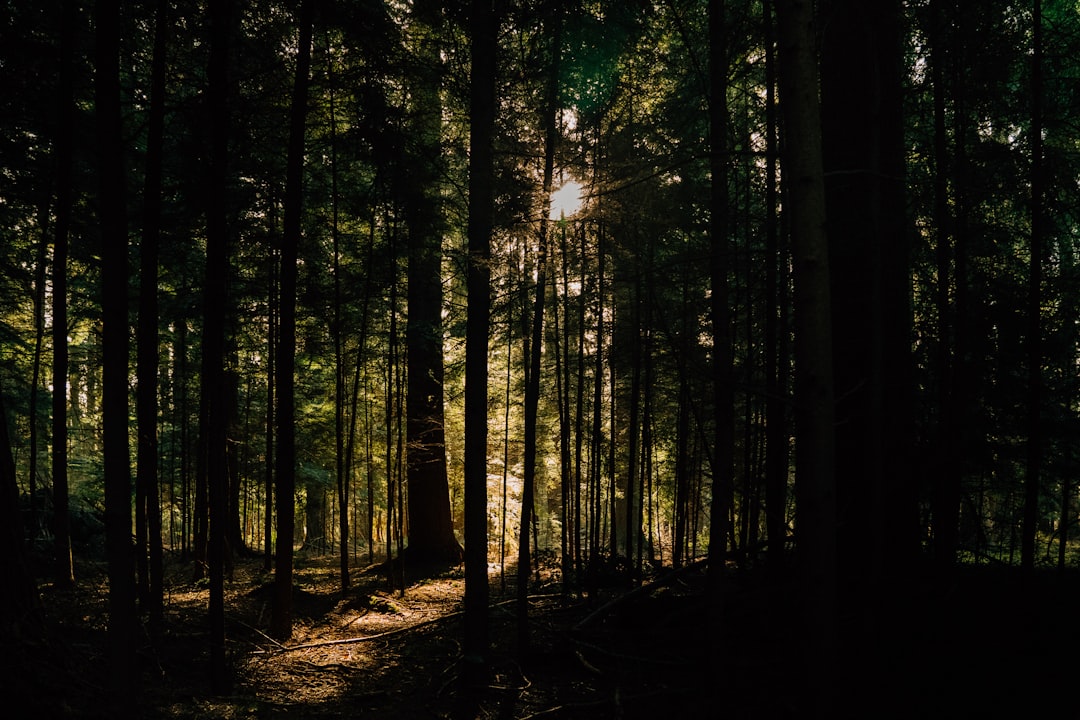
(532, 388)
(431, 529)
(481, 211)
(214, 298)
(815, 459)
(281, 620)
(115, 343)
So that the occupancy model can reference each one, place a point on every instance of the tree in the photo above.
(536, 344)
(481, 205)
(65, 138)
(281, 623)
(114, 310)
(863, 147)
(431, 529)
(214, 300)
(815, 444)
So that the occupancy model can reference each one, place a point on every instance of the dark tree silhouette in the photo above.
(281, 623)
(214, 300)
(815, 448)
(481, 206)
(114, 310)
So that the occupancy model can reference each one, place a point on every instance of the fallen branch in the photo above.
(366, 638)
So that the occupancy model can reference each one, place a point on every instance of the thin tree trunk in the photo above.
(271, 384)
(38, 300)
(64, 568)
(343, 454)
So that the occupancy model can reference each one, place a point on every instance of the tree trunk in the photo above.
(64, 568)
(343, 443)
(532, 389)
(38, 301)
(271, 383)
(215, 297)
(815, 469)
(114, 311)
(281, 620)
(481, 211)
(431, 528)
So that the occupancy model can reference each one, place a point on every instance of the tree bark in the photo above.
(431, 529)
(815, 459)
(214, 401)
(481, 211)
(114, 278)
(281, 620)
(532, 389)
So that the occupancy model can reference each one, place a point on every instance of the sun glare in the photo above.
(567, 200)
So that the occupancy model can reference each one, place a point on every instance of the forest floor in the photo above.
(977, 648)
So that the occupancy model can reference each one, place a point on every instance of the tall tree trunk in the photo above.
(114, 311)
(151, 557)
(481, 211)
(431, 528)
(64, 567)
(271, 384)
(281, 620)
(214, 299)
(815, 486)
(343, 444)
(532, 389)
(38, 301)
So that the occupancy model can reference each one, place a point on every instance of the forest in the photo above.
(539, 358)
